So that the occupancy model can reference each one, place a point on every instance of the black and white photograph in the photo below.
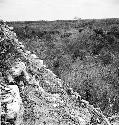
(59, 62)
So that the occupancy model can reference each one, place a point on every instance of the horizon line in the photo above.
(59, 19)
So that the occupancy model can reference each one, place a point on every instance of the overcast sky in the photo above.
(11, 10)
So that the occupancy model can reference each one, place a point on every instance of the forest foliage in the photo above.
(33, 94)
(83, 53)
